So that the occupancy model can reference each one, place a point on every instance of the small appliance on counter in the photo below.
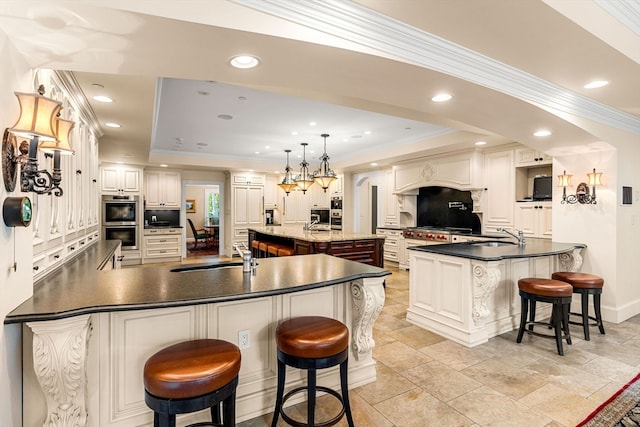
(268, 217)
(161, 218)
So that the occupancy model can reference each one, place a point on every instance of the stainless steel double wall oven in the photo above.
(120, 220)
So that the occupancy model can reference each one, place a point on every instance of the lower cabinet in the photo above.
(392, 244)
(534, 219)
(161, 245)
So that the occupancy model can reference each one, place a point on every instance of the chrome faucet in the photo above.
(245, 254)
(314, 221)
(519, 236)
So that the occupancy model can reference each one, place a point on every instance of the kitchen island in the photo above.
(87, 332)
(468, 292)
(360, 247)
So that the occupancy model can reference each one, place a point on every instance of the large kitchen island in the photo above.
(360, 247)
(88, 332)
(468, 292)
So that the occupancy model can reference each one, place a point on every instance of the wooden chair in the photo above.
(198, 235)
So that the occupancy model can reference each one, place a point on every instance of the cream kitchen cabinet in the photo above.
(161, 245)
(248, 210)
(392, 244)
(390, 206)
(296, 208)
(531, 157)
(534, 219)
(162, 189)
(318, 198)
(499, 196)
(337, 186)
(115, 179)
(271, 192)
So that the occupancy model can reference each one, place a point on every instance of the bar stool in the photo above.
(255, 248)
(191, 376)
(285, 251)
(555, 292)
(311, 343)
(262, 249)
(272, 249)
(585, 285)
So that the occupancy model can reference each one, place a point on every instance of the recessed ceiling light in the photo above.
(120, 163)
(312, 123)
(267, 147)
(112, 125)
(225, 116)
(367, 132)
(442, 97)
(294, 133)
(244, 61)
(102, 98)
(542, 132)
(596, 84)
(203, 93)
(202, 144)
(481, 143)
(276, 171)
(257, 152)
(373, 164)
(163, 165)
(242, 98)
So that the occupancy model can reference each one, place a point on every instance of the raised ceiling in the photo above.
(513, 67)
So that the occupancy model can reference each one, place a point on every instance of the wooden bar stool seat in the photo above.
(285, 251)
(255, 248)
(272, 249)
(585, 285)
(555, 292)
(311, 343)
(262, 249)
(191, 376)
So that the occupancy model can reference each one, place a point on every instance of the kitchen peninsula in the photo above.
(361, 247)
(87, 332)
(468, 292)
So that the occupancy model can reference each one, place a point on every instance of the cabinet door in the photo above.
(527, 218)
(255, 209)
(390, 208)
(171, 189)
(318, 197)
(131, 180)
(109, 179)
(241, 206)
(531, 157)
(271, 190)
(152, 189)
(500, 194)
(545, 216)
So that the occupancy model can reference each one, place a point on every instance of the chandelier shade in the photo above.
(304, 179)
(324, 175)
(287, 184)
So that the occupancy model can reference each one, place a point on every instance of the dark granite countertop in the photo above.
(533, 248)
(79, 288)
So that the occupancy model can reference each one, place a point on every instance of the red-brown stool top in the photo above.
(312, 337)
(284, 251)
(191, 368)
(579, 280)
(255, 244)
(545, 287)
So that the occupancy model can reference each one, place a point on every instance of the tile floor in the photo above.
(426, 380)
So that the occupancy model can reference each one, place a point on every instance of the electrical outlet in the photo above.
(243, 339)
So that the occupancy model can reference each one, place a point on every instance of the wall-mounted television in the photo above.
(542, 188)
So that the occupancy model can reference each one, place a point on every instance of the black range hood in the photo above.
(444, 207)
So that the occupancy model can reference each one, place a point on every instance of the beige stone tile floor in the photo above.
(426, 380)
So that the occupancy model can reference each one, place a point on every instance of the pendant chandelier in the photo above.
(287, 184)
(304, 179)
(324, 176)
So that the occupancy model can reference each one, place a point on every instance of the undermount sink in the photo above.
(492, 243)
(217, 266)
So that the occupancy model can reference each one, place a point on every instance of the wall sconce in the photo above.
(40, 123)
(583, 195)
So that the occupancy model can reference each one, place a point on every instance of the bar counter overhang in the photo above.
(87, 332)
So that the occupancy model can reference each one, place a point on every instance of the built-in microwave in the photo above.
(119, 210)
(127, 234)
(320, 216)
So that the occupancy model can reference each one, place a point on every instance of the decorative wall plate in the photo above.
(17, 211)
(9, 165)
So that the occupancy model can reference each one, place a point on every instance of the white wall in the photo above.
(610, 231)
(15, 286)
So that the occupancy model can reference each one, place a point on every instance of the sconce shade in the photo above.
(37, 116)
(594, 178)
(564, 180)
(63, 145)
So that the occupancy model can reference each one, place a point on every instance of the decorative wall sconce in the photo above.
(324, 176)
(583, 195)
(40, 123)
(287, 184)
(304, 179)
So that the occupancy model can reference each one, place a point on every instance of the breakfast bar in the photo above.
(87, 332)
(468, 292)
(360, 247)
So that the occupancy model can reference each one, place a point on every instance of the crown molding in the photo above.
(72, 87)
(628, 13)
(357, 24)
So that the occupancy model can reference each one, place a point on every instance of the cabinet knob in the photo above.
(36, 268)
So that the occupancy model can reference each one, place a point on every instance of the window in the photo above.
(212, 202)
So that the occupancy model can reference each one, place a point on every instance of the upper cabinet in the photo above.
(116, 179)
(531, 157)
(162, 189)
(499, 193)
(271, 191)
(336, 186)
(318, 198)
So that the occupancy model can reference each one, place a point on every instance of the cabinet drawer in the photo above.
(161, 231)
(39, 264)
(241, 233)
(162, 252)
(162, 240)
(391, 255)
(55, 257)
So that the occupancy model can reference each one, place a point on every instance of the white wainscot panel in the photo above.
(422, 292)
(452, 297)
(316, 302)
(257, 316)
(132, 338)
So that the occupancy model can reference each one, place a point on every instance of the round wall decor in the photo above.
(9, 166)
(16, 211)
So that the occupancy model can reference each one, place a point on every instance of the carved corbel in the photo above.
(571, 261)
(486, 277)
(367, 299)
(59, 362)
